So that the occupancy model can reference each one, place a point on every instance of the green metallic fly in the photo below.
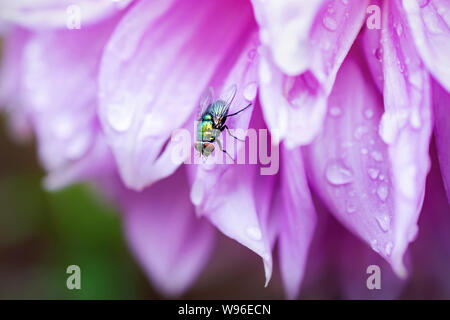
(212, 117)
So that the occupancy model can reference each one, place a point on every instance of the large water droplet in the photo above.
(378, 53)
(254, 233)
(337, 174)
(119, 117)
(197, 193)
(250, 91)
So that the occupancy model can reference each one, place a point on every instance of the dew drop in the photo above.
(373, 173)
(250, 91)
(337, 174)
(382, 192)
(335, 111)
(368, 113)
(359, 132)
(329, 23)
(197, 193)
(254, 233)
(374, 245)
(378, 53)
(376, 155)
(384, 222)
(119, 117)
(389, 247)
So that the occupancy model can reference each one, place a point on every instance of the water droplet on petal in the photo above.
(382, 192)
(389, 247)
(374, 245)
(197, 193)
(335, 111)
(360, 131)
(329, 23)
(384, 222)
(376, 155)
(254, 233)
(119, 117)
(250, 91)
(337, 174)
(378, 53)
(368, 113)
(373, 173)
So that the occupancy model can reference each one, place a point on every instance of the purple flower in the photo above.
(349, 109)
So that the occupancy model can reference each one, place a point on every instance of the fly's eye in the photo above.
(207, 117)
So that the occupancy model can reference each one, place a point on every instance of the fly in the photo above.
(212, 118)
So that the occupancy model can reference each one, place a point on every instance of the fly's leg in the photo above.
(223, 150)
(228, 130)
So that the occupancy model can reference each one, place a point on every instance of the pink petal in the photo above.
(157, 64)
(359, 177)
(296, 102)
(370, 41)
(298, 220)
(284, 27)
(441, 101)
(406, 124)
(429, 23)
(44, 14)
(63, 108)
(309, 35)
(170, 242)
(291, 104)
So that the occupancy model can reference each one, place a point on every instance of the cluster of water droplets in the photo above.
(340, 175)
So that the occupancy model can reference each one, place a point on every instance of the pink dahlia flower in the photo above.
(349, 90)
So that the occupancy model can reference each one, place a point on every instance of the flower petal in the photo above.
(63, 109)
(429, 22)
(361, 178)
(296, 102)
(406, 124)
(441, 101)
(170, 242)
(298, 221)
(309, 35)
(284, 27)
(43, 14)
(153, 73)
(291, 104)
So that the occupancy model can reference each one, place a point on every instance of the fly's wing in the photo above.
(226, 98)
(205, 100)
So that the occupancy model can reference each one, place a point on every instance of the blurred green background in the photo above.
(41, 233)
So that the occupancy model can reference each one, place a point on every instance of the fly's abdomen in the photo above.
(204, 131)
